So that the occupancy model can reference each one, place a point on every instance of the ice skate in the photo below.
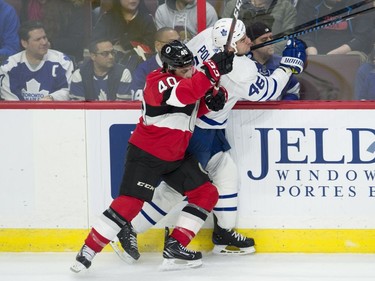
(127, 237)
(229, 242)
(177, 257)
(83, 259)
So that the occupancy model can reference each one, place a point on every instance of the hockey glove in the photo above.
(216, 102)
(219, 64)
(294, 55)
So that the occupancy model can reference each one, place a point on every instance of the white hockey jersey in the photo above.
(21, 81)
(243, 82)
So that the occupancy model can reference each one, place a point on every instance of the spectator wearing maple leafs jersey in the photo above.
(37, 73)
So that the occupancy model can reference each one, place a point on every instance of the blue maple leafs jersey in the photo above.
(19, 80)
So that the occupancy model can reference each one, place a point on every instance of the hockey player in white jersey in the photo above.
(209, 144)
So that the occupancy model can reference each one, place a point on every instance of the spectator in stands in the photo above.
(9, 25)
(37, 73)
(181, 15)
(267, 62)
(65, 24)
(364, 87)
(101, 78)
(280, 15)
(163, 36)
(97, 12)
(17, 5)
(131, 29)
(342, 38)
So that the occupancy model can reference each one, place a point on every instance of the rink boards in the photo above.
(307, 172)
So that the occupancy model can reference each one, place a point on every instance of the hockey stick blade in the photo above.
(312, 28)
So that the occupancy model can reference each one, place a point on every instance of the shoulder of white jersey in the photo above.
(76, 76)
(243, 69)
(202, 37)
(126, 76)
(57, 56)
(13, 61)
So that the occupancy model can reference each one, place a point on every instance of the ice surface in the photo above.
(256, 267)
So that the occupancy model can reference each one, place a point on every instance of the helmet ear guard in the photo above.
(221, 30)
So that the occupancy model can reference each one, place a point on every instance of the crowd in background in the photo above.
(102, 50)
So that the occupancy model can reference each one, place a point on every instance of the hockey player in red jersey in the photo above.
(209, 143)
(173, 97)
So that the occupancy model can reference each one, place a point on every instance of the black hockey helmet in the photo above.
(176, 55)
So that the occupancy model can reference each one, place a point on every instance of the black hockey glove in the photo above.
(219, 64)
(216, 101)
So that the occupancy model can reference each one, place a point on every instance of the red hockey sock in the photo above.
(95, 241)
(182, 235)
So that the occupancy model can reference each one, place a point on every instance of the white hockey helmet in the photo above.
(220, 33)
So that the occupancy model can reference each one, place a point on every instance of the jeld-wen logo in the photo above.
(288, 140)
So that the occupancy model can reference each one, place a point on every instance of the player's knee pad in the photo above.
(127, 207)
(204, 196)
(165, 198)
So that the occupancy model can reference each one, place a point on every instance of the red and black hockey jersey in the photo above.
(169, 112)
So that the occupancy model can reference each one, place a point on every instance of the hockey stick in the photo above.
(233, 25)
(312, 28)
(230, 36)
(324, 18)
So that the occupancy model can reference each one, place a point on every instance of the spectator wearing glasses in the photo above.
(163, 36)
(101, 78)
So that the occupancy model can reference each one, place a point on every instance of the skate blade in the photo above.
(77, 267)
(232, 250)
(178, 264)
(117, 248)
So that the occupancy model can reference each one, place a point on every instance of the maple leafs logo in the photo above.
(102, 95)
(33, 91)
(224, 32)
